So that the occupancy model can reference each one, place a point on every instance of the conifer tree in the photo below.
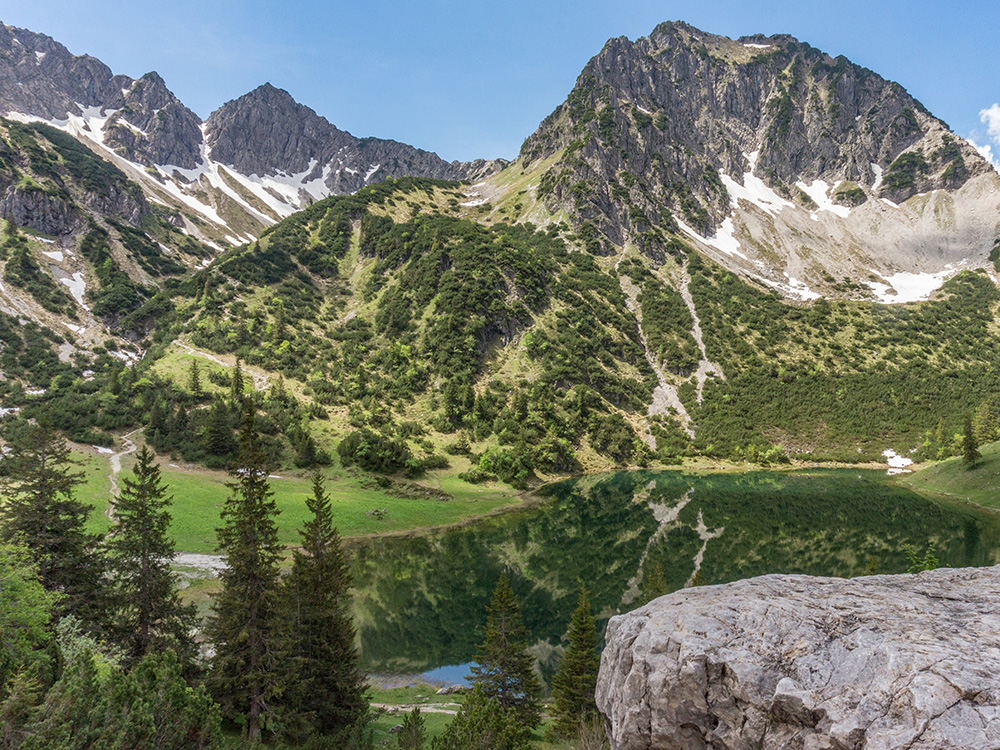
(245, 675)
(236, 384)
(576, 681)
(194, 380)
(149, 612)
(505, 668)
(38, 510)
(970, 446)
(411, 735)
(482, 724)
(326, 688)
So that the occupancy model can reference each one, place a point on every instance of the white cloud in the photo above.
(987, 153)
(990, 117)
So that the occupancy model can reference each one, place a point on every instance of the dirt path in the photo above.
(260, 380)
(425, 708)
(116, 468)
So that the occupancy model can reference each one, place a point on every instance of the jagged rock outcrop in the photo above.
(39, 210)
(654, 128)
(152, 126)
(796, 662)
(266, 132)
(281, 156)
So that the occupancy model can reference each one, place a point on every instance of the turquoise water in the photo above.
(420, 601)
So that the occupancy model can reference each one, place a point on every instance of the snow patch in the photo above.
(42, 239)
(39, 55)
(754, 190)
(370, 172)
(126, 357)
(794, 287)
(878, 176)
(470, 204)
(102, 449)
(897, 463)
(890, 203)
(643, 110)
(55, 255)
(819, 191)
(77, 286)
(724, 240)
(72, 327)
(909, 287)
(6, 410)
(756, 46)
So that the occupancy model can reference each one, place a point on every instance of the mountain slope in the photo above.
(256, 160)
(775, 159)
(625, 292)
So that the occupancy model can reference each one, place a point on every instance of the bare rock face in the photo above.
(266, 132)
(796, 662)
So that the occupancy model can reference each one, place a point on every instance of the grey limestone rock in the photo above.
(802, 663)
(653, 123)
(266, 132)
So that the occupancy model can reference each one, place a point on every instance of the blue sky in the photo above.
(474, 79)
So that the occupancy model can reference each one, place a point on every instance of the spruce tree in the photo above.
(236, 384)
(325, 686)
(970, 446)
(411, 736)
(38, 510)
(505, 668)
(245, 674)
(482, 724)
(576, 681)
(194, 380)
(149, 614)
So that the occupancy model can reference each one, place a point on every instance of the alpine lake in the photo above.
(420, 600)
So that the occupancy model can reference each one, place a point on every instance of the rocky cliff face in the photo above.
(266, 132)
(278, 155)
(655, 123)
(795, 662)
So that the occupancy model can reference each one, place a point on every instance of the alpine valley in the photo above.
(714, 254)
(742, 249)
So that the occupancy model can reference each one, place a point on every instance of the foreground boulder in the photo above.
(789, 662)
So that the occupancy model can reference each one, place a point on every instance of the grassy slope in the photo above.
(199, 495)
(979, 485)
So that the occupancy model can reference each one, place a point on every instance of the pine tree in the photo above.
(505, 668)
(236, 384)
(149, 614)
(576, 681)
(244, 674)
(985, 423)
(970, 446)
(38, 510)
(326, 688)
(411, 736)
(194, 380)
(482, 724)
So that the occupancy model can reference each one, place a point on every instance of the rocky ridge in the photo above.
(779, 161)
(797, 662)
(255, 161)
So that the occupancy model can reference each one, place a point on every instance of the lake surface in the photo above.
(421, 601)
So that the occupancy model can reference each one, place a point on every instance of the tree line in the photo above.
(97, 649)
